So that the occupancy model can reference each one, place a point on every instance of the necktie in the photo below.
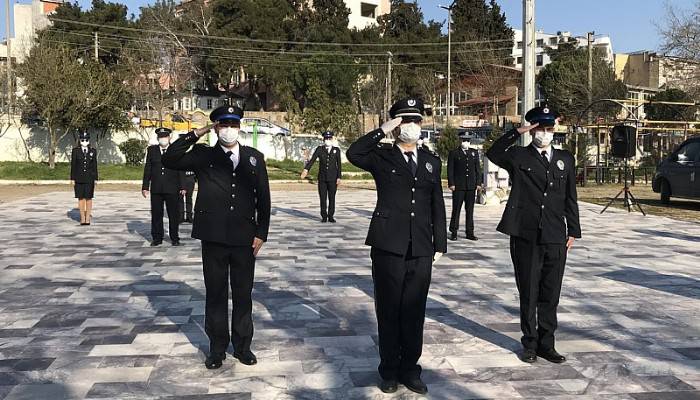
(232, 157)
(84, 151)
(411, 164)
(544, 158)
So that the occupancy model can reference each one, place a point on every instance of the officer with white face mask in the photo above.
(232, 219)
(407, 233)
(542, 219)
(329, 173)
(83, 175)
(463, 178)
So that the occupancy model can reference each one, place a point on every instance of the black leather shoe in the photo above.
(323, 220)
(551, 355)
(415, 385)
(176, 242)
(453, 236)
(214, 360)
(472, 237)
(156, 243)
(246, 357)
(389, 386)
(529, 356)
(331, 219)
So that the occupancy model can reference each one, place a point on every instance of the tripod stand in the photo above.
(628, 198)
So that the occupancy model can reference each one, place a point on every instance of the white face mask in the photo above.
(229, 135)
(84, 143)
(542, 138)
(419, 142)
(465, 144)
(410, 133)
(328, 143)
(163, 142)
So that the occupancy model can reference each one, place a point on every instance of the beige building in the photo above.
(27, 19)
(365, 12)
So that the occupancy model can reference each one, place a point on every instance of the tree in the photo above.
(323, 113)
(449, 140)
(475, 20)
(669, 112)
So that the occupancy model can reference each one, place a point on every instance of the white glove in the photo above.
(390, 125)
(436, 257)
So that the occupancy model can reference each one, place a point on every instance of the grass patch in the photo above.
(41, 171)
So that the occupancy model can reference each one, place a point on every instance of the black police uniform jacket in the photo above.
(408, 208)
(464, 170)
(233, 206)
(329, 169)
(542, 206)
(156, 176)
(83, 166)
(187, 179)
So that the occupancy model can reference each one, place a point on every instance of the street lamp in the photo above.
(449, 57)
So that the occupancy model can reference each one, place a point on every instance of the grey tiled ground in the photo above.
(93, 312)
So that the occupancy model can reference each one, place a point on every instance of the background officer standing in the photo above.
(232, 219)
(463, 178)
(542, 220)
(187, 179)
(329, 173)
(407, 233)
(164, 185)
(83, 175)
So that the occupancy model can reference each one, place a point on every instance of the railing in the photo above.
(616, 175)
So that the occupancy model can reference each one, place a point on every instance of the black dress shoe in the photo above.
(389, 386)
(246, 357)
(156, 243)
(331, 219)
(453, 236)
(176, 242)
(214, 360)
(472, 237)
(323, 220)
(551, 355)
(415, 385)
(529, 356)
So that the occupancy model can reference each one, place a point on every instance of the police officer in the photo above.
(187, 179)
(542, 220)
(329, 173)
(407, 234)
(232, 219)
(83, 175)
(164, 186)
(463, 178)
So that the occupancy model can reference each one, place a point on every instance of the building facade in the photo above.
(545, 41)
(365, 12)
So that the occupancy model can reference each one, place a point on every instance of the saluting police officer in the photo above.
(187, 179)
(463, 178)
(232, 219)
(542, 220)
(329, 173)
(83, 175)
(407, 234)
(164, 186)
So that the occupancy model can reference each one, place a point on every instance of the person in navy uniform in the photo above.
(329, 173)
(463, 178)
(164, 186)
(407, 234)
(83, 175)
(188, 180)
(232, 219)
(542, 219)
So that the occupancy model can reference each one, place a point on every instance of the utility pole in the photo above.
(529, 44)
(590, 100)
(97, 47)
(388, 82)
(449, 60)
(9, 60)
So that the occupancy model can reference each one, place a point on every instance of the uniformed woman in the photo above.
(83, 174)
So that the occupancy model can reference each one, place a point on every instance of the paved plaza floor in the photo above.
(94, 312)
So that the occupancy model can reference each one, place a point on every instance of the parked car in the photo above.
(264, 127)
(679, 174)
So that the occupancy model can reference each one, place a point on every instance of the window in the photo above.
(368, 10)
(520, 45)
(553, 41)
(209, 104)
(540, 42)
(540, 60)
(520, 60)
(689, 153)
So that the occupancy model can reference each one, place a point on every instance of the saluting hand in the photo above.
(201, 131)
(257, 244)
(390, 125)
(525, 129)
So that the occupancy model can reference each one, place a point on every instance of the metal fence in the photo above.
(602, 175)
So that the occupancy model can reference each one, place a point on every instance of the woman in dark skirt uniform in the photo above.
(83, 174)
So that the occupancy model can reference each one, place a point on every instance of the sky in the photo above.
(629, 23)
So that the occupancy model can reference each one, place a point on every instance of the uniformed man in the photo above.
(407, 234)
(463, 179)
(187, 179)
(542, 220)
(329, 173)
(232, 218)
(164, 186)
(83, 175)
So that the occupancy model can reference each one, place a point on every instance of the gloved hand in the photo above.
(436, 257)
(390, 125)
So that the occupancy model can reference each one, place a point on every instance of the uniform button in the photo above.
(234, 174)
(547, 171)
(231, 208)
(542, 205)
(545, 195)
(413, 189)
(413, 214)
(233, 196)
(233, 185)
(413, 201)
(415, 179)
(551, 183)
